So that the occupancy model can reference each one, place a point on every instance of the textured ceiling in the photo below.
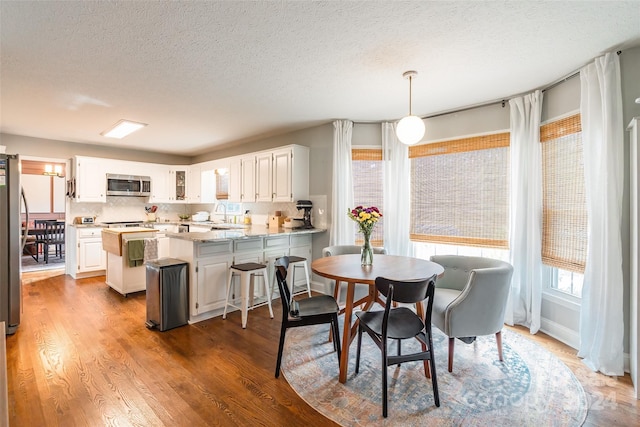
(206, 74)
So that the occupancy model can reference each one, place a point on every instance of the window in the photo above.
(368, 178)
(564, 208)
(460, 191)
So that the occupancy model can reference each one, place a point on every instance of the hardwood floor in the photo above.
(82, 356)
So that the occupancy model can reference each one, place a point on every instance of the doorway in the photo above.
(43, 182)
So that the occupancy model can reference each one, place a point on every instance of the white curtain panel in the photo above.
(342, 228)
(525, 233)
(601, 314)
(397, 177)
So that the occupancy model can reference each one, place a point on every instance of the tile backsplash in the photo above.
(133, 209)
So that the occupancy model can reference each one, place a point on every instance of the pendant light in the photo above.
(410, 129)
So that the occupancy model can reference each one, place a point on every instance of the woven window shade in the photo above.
(368, 178)
(564, 206)
(460, 191)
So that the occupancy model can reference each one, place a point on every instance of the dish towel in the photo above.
(135, 252)
(150, 249)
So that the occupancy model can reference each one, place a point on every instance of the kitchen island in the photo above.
(211, 253)
(126, 273)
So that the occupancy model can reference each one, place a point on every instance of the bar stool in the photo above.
(295, 262)
(247, 273)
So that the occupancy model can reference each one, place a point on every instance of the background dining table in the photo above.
(347, 268)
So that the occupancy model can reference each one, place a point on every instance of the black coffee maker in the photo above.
(306, 218)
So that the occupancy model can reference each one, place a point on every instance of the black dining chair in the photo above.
(315, 310)
(53, 236)
(399, 323)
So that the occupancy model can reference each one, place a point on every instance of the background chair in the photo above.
(39, 231)
(314, 310)
(400, 323)
(471, 298)
(53, 236)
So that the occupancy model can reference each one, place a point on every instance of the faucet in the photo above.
(224, 206)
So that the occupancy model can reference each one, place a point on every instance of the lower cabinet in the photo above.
(210, 286)
(209, 264)
(86, 258)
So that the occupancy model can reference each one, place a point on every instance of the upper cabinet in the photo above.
(90, 177)
(290, 174)
(194, 181)
(235, 180)
(280, 175)
(178, 183)
(264, 168)
(159, 184)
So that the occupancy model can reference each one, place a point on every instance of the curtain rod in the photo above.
(497, 101)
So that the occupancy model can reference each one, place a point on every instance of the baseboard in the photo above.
(561, 333)
(571, 338)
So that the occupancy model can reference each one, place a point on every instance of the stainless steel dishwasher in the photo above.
(167, 293)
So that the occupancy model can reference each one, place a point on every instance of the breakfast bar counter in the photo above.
(211, 253)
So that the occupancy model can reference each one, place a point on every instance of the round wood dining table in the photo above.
(347, 268)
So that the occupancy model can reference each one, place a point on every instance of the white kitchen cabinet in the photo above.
(178, 184)
(90, 176)
(159, 184)
(235, 180)
(194, 184)
(248, 179)
(290, 176)
(85, 256)
(264, 165)
(209, 263)
(212, 278)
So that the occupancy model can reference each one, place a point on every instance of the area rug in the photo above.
(29, 264)
(530, 388)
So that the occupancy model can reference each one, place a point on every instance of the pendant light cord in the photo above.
(410, 79)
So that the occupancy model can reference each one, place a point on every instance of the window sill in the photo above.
(562, 299)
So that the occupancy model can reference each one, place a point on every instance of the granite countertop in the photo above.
(251, 231)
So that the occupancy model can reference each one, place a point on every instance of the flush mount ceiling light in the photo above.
(411, 128)
(122, 129)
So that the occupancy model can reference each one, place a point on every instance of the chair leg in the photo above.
(432, 369)
(384, 379)
(499, 342)
(336, 332)
(229, 284)
(265, 279)
(452, 342)
(358, 349)
(283, 332)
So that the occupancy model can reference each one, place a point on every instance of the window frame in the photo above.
(377, 238)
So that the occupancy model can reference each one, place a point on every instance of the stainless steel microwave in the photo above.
(128, 185)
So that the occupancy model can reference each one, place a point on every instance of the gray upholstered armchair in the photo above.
(471, 298)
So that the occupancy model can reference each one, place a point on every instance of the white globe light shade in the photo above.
(410, 130)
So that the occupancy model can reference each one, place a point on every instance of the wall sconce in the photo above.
(53, 170)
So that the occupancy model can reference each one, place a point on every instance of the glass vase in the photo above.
(366, 253)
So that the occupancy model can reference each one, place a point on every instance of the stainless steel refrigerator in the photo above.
(11, 241)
